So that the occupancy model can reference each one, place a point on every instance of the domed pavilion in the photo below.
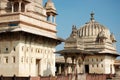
(89, 49)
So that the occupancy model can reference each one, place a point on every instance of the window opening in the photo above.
(6, 49)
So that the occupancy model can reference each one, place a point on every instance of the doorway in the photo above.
(86, 68)
(37, 67)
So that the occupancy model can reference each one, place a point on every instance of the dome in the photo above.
(93, 29)
(50, 8)
(93, 36)
(50, 5)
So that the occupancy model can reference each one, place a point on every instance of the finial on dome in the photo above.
(92, 16)
(74, 31)
(49, 0)
(73, 27)
(112, 37)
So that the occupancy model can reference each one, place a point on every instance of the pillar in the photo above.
(12, 4)
(59, 69)
(54, 19)
(69, 69)
(65, 57)
(73, 68)
(76, 62)
(83, 67)
(73, 77)
(76, 68)
(51, 18)
(20, 2)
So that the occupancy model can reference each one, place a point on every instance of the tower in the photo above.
(27, 39)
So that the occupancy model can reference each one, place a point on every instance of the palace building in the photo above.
(27, 38)
(89, 49)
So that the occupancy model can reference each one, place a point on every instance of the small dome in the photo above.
(93, 29)
(50, 5)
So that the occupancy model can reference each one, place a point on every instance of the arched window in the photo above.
(22, 7)
(16, 7)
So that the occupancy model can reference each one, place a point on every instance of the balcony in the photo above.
(27, 20)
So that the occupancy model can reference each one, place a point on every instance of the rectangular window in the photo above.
(92, 60)
(97, 59)
(5, 59)
(13, 59)
(88, 60)
(27, 60)
(22, 59)
(32, 60)
(101, 65)
(6, 50)
(97, 65)
(22, 48)
(14, 49)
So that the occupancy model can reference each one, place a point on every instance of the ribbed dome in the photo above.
(93, 28)
(93, 36)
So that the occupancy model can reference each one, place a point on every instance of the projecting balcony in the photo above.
(27, 19)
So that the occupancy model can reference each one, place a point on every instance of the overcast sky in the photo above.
(77, 12)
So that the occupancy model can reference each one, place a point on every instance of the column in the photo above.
(65, 57)
(72, 65)
(73, 68)
(59, 69)
(76, 68)
(76, 64)
(51, 18)
(54, 19)
(70, 68)
(20, 2)
(83, 57)
(12, 4)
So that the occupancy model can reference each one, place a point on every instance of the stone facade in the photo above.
(27, 38)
